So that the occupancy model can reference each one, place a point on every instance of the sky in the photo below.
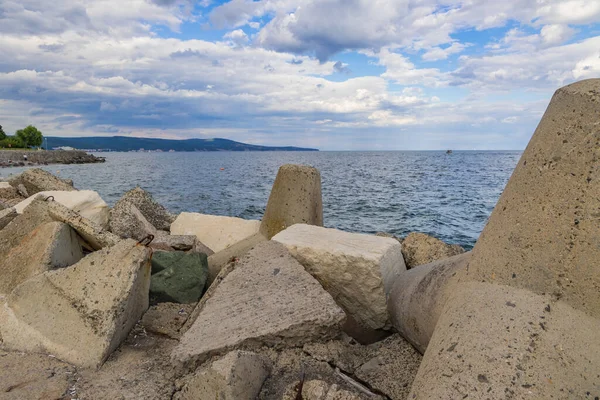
(330, 74)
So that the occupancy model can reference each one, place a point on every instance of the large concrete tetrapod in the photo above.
(295, 199)
(523, 317)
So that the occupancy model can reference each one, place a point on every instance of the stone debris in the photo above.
(87, 203)
(82, 313)
(37, 180)
(6, 216)
(320, 390)
(33, 377)
(267, 299)
(22, 190)
(93, 234)
(420, 249)
(180, 243)
(178, 277)
(50, 246)
(216, 232)
(356, 269)
(167, 319)
(239, 375)
(154, 213)
(419, 295)
(295, 199)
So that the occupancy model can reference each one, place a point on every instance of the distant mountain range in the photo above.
(122, 143)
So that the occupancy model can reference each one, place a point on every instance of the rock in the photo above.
(178, 277)
(87, 203)
(239, 375)
(356, 269)
(13, 233)
(387, 367)
(295, 199)
(36, 180)
(167, 319)
(22, 191)
(320, 390)
(154, 213)
(392, 368)
(93, 234)
(6, 216)
(421, 249)
(523, 317)
(214, 231)
(8, 192)
(81, 313)
(180, 243)
(33, 377)
(217, 260)
(50, 246)
(267, 299)
(419, 295)
(132, 224)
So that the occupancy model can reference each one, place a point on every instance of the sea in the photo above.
(449, 196)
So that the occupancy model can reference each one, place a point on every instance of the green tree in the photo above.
(31, 136)
(2, 134)
(12, 142)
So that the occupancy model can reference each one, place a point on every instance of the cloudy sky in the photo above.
(332, 74)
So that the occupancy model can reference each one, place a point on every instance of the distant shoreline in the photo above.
(24, 158)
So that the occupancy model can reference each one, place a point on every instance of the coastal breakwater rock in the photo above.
(239, 375)
(216, 232)
(268, 299)
(419, 295)
(80, 314)
(358, 270)
(122, 217)
(295, 199)
(178, 277)
(50, 246)
(420, 249)
(6, 216)
(87, 203)
(12, 158)
(37, 180)
(523, 318)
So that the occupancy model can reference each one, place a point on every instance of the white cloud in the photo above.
(438, 53)
(556, 34)
(237, 37)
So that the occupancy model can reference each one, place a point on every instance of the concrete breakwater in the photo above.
(14, 158)
(133, 302)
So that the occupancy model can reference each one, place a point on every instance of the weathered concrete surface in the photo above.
(356, 269)
(178, 277)
(387, 367)
(239, 375)
(6, 216)
(131, 224)
(216, 232)
(419, 295)
(34, 215)
(498, 342)
(267, 299)
(87, 203)
(295, 199)
(180, 243)
(37, 180)
(22, 190)
(538, 253)
(216, 261)
(543, 234)
(315, 389)
(155, 213)
(7, 192)
(82, 313)
(166, 319)
(50, 246)
(420, 249)
(93, 234)
(33, 377)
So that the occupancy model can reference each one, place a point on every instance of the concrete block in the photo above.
(356, 269)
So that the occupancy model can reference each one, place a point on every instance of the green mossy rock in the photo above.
(178, 277)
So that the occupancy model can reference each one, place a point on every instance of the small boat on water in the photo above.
(448, 151)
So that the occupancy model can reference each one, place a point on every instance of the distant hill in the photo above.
(122, 143)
